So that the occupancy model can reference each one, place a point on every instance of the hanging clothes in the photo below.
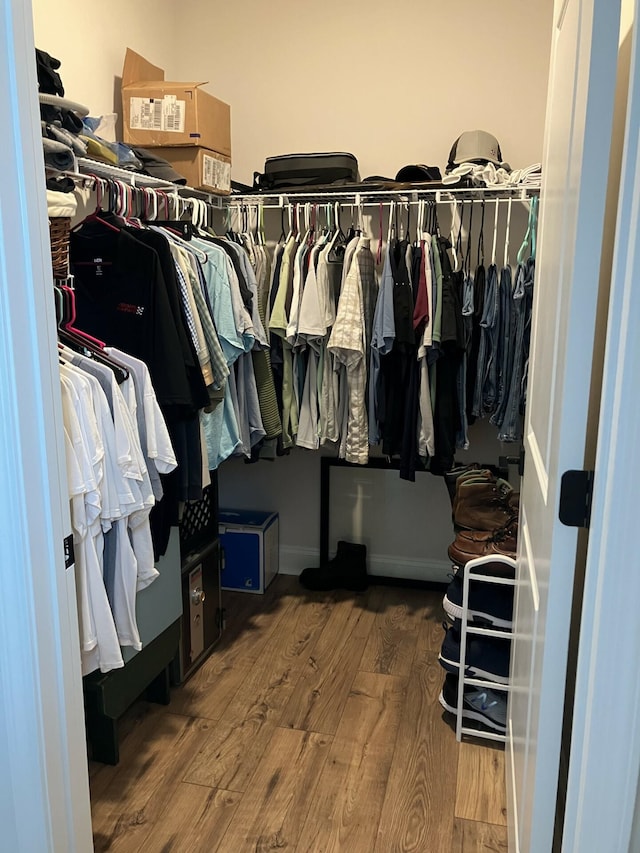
(348, 345)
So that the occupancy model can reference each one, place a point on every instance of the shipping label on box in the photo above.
(203, 169)
(216, 173)
(161, 114)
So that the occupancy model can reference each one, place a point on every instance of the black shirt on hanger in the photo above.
(121, 298)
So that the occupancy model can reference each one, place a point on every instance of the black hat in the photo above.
(418, 173)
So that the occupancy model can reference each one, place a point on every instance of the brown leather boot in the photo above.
(507, 536)
(483, 506)
(479, 475)
(463, 549)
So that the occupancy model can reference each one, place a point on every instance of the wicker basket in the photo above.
(59, 230)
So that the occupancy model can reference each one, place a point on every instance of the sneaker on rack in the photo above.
(490, 604)
(487, 657)
(482, 705)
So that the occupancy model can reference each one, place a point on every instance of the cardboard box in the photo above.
(160, 113)
(203, 169)
(249, 542)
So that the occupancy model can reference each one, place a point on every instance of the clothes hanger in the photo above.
(506, 235)
(335, 253)
(480, 259)
(290, 233)
(495, 234)
(458, 249)
(467, 256)
(95, 216)
(86, 343)
(435, 230)
(529, 236)
(452, 239)
(419, 221)
(70, 318)
(390, 227)
(379, 251)
(360, 217)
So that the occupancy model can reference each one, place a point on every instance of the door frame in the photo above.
(604, 761)
(44, 790)
(44, 797)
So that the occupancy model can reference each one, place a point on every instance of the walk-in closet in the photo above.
(317, 433)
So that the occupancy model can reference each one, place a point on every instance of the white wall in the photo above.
(394, 83)
(90, 40)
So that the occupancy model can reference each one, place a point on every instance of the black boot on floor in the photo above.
(347, 570)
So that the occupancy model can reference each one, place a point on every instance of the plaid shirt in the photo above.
(348, 345)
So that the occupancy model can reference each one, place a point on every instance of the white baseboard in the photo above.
(293, 560)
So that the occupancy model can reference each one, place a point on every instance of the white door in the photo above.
(44, 790)
(576, 156)
(602, 789)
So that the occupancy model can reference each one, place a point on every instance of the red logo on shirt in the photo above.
(130, 309)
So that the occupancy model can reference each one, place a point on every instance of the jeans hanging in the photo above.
(505, 345)
(485, 390)
(521, 309)
(462, 436)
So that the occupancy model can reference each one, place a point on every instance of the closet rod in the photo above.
(238, 205)
(522, 193)
(89, 167)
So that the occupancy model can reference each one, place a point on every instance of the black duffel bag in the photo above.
(296, 171)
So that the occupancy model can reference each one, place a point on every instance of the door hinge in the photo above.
(576, 493)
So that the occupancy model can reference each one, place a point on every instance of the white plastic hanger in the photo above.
(336, 226)
(392, 207)
(506, 236)
(452, 239)
(360, 218)
(495, 233)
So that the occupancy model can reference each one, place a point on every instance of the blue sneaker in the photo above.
(487, 657)
(490, 604)
(481, 705)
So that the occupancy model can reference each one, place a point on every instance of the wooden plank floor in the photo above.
(314, 726)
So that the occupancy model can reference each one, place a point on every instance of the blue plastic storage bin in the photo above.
(249, 540)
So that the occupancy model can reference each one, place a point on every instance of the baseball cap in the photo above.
(418, 173)
(475, 146)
